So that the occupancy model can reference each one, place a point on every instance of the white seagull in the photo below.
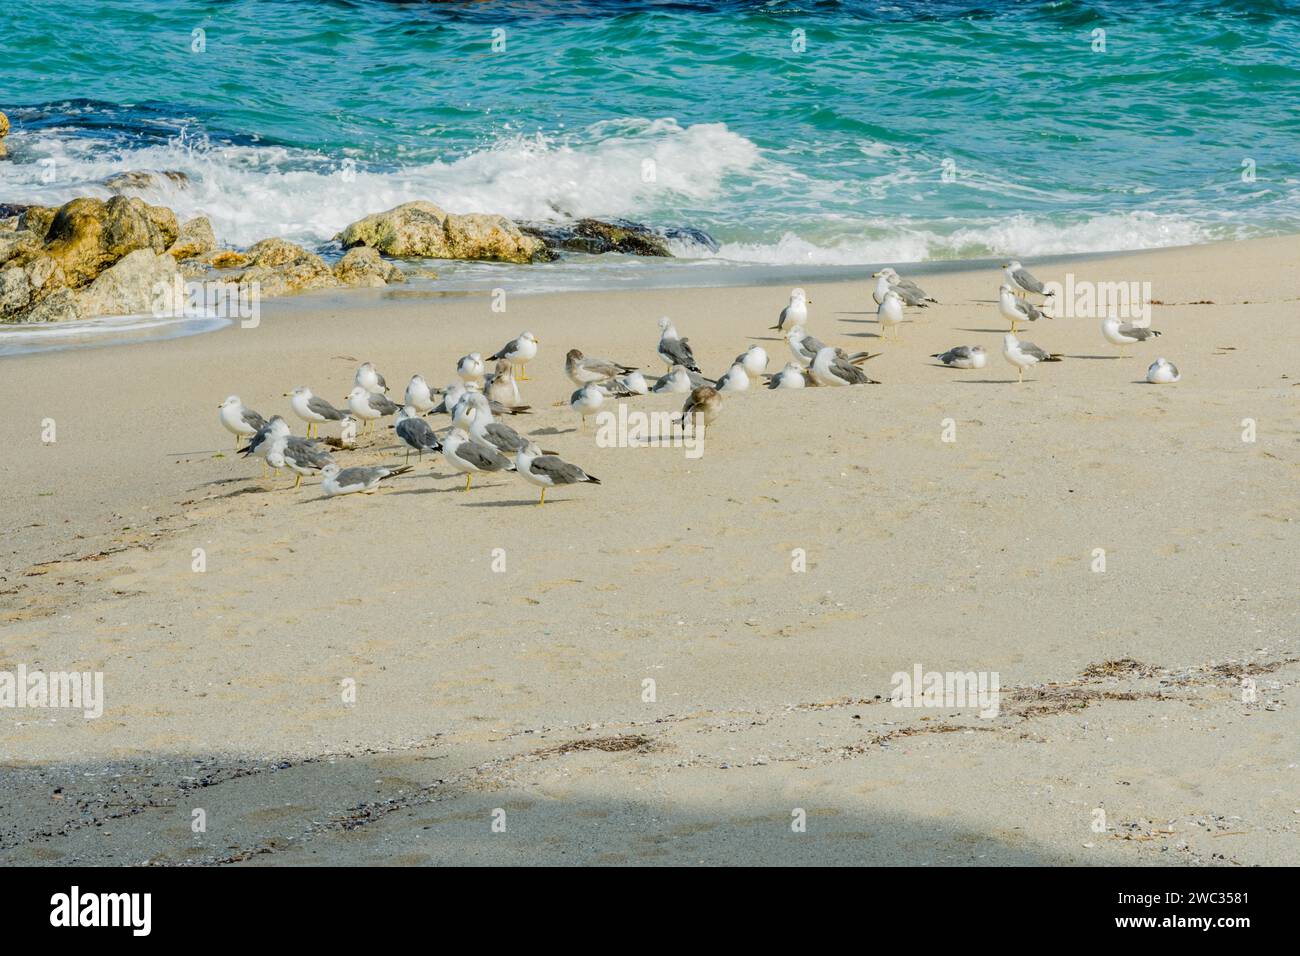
(469, 458)
(734, 379)
(369, 406)
(963, 356)
(419, 395)
(415, 432)
(547, 471)
(313, 409)
(792, 376)
(351, 480)
(754, 361)
(890, 313)
(1019, 278)
(796, 312)
(369, 379)
(673, 349)
(519, 352)
(1124, 333)
(240, 421)
(586, 400)
(1163, 372)
(1016, 310)
(471, 369)
(1024, 355)
(832, 368)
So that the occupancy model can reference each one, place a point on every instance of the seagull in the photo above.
(890, 313)
(369, 406)
(1163, 372)
(415, 432)
(419, 395)
(369, 379)
(547, 471)
(469, 457)
(963, 356)
(456, 391)
(261, 442)
(1017, 310)
(586, 400)
(754, 361)
(734, 379)
(351, 480)
(830, 367)
(1024, 355)
(471, 369)
(673, 349)
(474, 416)
(1019, 278)
(518, 351)
(909, 291)
(803, 347)
(703, 404)
(302, 456)
(677, 380)
(796, 312)
(792, 376)
(238, 420)
(631, 383)
(583, 370)
(312, 409)
(501, 386)
(1117, 333)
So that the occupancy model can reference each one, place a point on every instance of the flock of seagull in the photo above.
(477, 442)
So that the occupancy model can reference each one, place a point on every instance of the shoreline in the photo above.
(514, 280)
(524, 690)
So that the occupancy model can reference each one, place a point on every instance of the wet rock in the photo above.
(363, 266)
(422, 230)
(226, 259)
(195, 238)
(280, 268)
(131, 286)
(140, 179)
(89, 235)
(598, 236)
(11, 209)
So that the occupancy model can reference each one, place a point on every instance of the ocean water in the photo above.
(807, 134)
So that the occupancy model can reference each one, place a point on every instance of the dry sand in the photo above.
(523, 691)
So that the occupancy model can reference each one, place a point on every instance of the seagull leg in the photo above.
(542, 500)
(297, 482)
(469, 476)
(1020, 373)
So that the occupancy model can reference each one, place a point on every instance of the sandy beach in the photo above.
(518, 696)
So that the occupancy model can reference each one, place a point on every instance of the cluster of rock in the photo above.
(4, 130)
(94, 257)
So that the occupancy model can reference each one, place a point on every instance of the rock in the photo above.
(131, 286)
(89, 235)
(18, 246)
(59, 306)
(628, 238)
(597, 236)
(37, 219)
(279, 268)
(226, 259)
(422, 230)
(9, 209)
(45, 275)
(195, 238)
(146, 179)
(4, 126)
(363, 266)
(15, 293)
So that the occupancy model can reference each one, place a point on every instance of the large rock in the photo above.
(195, 238)
(4, 126)
(9, 209)
(141, 179)
(89, 235)
(363, 266)
(279, 268)
(422, 230)
(597, 236)
(130, 287)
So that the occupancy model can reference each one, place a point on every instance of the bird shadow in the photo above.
(992, 381)
(766, 338)
(864, 335)
(552, 430)
(1102, 358)
(526, 502)
(989, 331)
(854, 313)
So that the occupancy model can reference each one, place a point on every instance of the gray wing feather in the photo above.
(480, 457)
(252, 419)
(678, 350)
(1026, 281)
(780, 323)
(558, 470)
(324, 408)
(505, 437)
(1029, 348)
(1135, 333)
(306, 454)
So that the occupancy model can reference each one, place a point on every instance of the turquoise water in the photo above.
(299, 117)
